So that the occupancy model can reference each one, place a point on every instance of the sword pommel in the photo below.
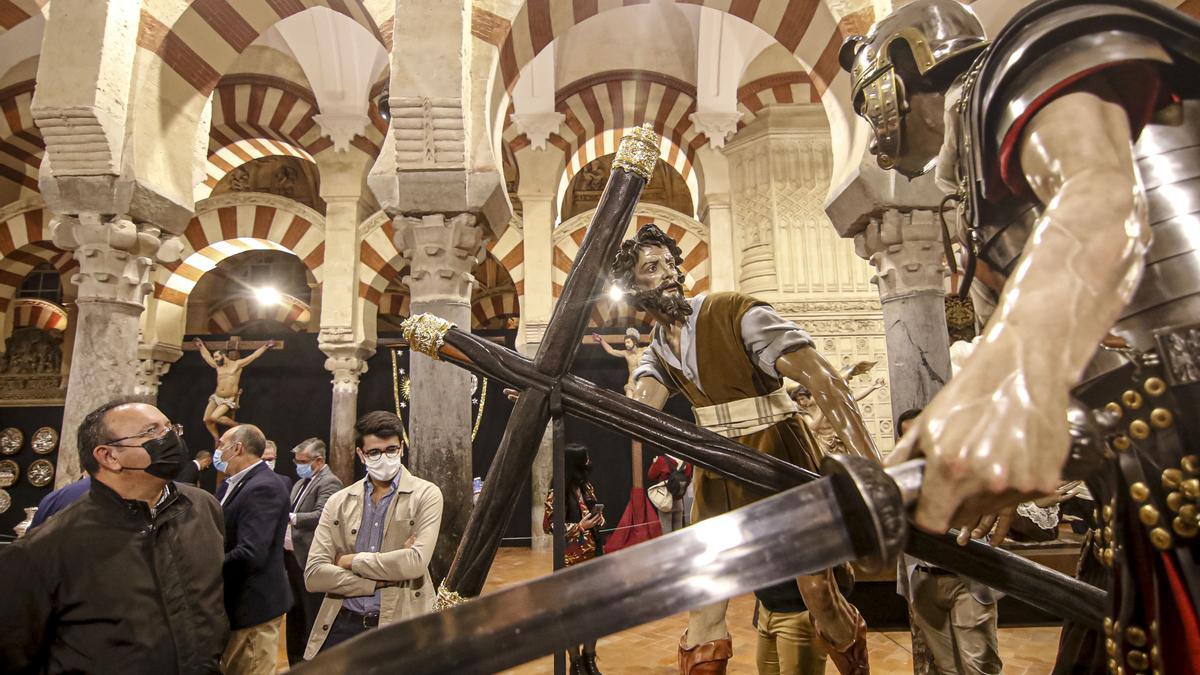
(638, 151)
(873, 507)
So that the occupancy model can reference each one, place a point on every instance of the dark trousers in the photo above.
(304, 609)
(343, 629)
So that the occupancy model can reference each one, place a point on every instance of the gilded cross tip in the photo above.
(638, 151)
(426, 333)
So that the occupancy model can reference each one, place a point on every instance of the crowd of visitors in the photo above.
(135, 569)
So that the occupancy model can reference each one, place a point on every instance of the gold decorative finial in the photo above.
(447, 598)
(638, 151)
(426, 333)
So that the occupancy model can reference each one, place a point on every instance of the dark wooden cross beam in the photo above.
(233, 344)
(510, 469)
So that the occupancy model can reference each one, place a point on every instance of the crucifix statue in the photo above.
(226, 398)
(632, 353)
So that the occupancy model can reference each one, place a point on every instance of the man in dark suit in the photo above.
(190, 473)
(255, 506)
(316, 485)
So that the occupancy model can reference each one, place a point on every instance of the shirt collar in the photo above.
(237, 477)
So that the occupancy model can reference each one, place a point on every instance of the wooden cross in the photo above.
(635, 162)
(233, 344)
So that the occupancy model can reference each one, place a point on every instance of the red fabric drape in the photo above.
(638, 524)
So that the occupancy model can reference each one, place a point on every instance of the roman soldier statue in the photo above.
(1071, 143)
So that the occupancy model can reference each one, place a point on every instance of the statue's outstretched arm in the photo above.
(204, 353)
(997, 433)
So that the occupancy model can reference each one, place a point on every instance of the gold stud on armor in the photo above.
(1148, 515)
(1191, 488)
(1188, 511)
(1135, 636)
(1161, 418)
(1155, 386)
(1112, 665)
(1172, 479)
(1110, 646)
(1108, 626)
(1139, 430)
(1175, 501)
(1139, 492)
(1137, 659)
(1114, 408)
(1131, 399)
(1160, 538)
(1107, 534)
(1108, 513)
(1121, 443)
(1191, 464)
(1185, 527)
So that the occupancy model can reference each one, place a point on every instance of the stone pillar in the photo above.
(895, 226)
(905, 248)
(115, 257)
(723, 275)
(442, 252)
(347, 361)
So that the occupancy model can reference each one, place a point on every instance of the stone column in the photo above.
(441, 252)
(723, 273)
(115, 257)
(347, 361)
(895, 226)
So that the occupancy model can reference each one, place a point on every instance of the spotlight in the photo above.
(615, 293)
(267, 296)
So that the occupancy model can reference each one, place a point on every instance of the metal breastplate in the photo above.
(1168, 160)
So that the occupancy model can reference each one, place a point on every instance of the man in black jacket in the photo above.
(126, 579)
(256, 516)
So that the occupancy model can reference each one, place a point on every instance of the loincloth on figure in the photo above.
(229, 401)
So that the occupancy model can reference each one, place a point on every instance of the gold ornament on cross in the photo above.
(638, 151)
(426, 333)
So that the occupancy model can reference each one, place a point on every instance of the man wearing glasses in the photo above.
(370, 553)
(128, 579)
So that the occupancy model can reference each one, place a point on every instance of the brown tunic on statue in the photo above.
(728, 373)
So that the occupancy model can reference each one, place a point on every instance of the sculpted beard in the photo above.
(674, 307)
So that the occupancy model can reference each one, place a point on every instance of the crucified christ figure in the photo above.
(229, 374)
(632, 353)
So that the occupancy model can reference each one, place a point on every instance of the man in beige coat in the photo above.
(370, 553)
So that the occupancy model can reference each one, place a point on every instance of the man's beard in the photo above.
(674, 307)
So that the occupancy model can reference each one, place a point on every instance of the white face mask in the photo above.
(384, 468)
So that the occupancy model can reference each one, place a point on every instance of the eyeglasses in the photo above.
(153, 432)
(390, 451)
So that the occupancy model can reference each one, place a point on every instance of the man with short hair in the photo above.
(316, 485)
(128, 578)
(190, 473)
(370, 554)
(270, 453)
(255, 506)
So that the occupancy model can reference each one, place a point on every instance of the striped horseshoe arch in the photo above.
(690, 233)
(25, 244)
(21, 144)
(231, 316)
(792, 87)
(36, 313)
(227, 225)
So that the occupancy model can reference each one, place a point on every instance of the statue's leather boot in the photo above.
(710, 658)
(852, 658)
(577, 666)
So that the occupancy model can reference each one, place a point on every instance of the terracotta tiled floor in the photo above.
(651, 648)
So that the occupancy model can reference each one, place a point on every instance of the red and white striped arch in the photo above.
(690, 233)
(21, 144)
(38, 313)
(25, 244)
(227, 225)
(289, 311)
(496, 300)
(600, 109)
(15, 12)
(791, 87)
(201, 42)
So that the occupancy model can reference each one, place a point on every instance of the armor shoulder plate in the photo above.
(1051, 45)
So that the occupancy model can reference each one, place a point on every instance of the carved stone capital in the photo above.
(905, 248)
(441, 253)
(149, 375)
(538, 126)
(347, 359)
(716, 125)
(115, 254)
(341, 127)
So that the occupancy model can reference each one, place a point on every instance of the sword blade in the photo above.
(800, 531)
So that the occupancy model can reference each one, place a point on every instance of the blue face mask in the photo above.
(220, 464)
(304, 471)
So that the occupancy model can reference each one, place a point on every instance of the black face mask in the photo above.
(168, 453)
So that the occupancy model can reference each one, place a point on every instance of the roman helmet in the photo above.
(936, 33)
